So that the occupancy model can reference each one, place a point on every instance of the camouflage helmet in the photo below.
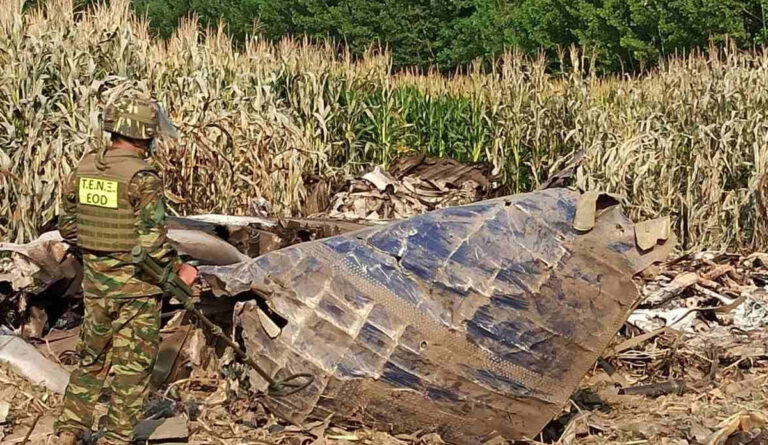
(138, 119)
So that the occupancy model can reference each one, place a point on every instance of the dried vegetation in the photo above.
(272, 121)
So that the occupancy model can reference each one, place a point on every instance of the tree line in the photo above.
(622, 35)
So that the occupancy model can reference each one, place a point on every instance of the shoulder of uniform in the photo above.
(146, 176)
(146, 180)
(70, 183)
(86, 161)
(144, 184)
(139, 166)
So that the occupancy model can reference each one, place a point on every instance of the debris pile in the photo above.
(410, 187)
(713, 308)
(37, 282)
(690, 365)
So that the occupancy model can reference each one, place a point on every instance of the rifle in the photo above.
(172, 284)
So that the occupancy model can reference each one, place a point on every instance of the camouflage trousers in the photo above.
(121, 337)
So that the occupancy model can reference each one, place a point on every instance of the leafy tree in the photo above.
(623, 34)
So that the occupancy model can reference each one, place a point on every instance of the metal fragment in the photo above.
(656, 389)
(473, 320)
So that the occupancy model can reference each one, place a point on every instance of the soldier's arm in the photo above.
(68, 217)
(146, 194)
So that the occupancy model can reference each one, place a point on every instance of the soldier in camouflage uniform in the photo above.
(111, 203)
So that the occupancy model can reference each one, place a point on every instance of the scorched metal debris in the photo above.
(476, 320)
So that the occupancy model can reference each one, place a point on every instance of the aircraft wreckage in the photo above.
(476, 321)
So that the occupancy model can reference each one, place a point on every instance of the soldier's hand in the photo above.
(188, 274)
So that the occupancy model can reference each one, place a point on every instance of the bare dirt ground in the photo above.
(598, 417)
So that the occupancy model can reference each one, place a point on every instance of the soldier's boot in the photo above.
(67, 438)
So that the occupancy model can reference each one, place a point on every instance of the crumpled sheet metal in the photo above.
(42, 261)
(204, 247)
(475, 320)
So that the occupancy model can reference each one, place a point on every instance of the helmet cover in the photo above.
(138, 119)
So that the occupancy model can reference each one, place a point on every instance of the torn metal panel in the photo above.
(44, 261)
(589, 206)
(441, 170)
(204, 247)
(320, 226)
(162, 430)
(31, 364)
(473, 320)
(649, 233)
(256, 236)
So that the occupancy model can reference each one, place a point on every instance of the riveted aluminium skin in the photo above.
(109, 229)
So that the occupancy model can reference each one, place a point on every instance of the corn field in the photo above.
(284, 121)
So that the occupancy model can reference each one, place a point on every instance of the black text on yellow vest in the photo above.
(105, 216)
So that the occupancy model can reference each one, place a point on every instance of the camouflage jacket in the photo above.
(112, 275)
